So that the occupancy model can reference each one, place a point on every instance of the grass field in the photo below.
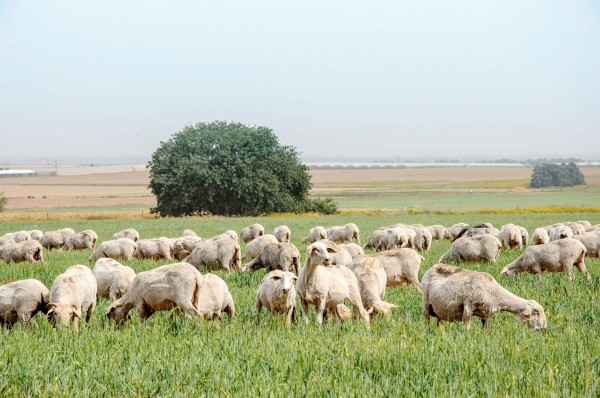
(396, 357)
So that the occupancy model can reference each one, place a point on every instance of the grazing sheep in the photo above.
(315, 234)
(524, 236)
(160, 289)
(422, 239)
(475, 248)
(19, 236)
(72, 293)
(113, 278)
(591, 241)
(27, 250)
(214, 298)
(343, 233)
(354, 249)
(80, 241)
(400, 266)
(230, 233)
(576, 227)
(189, 233)
(183, 247)
(480, 229)
(540, 236)
(278, 294)
(325, 285)
(36, 234)
(252, 232)
(395, 238)
(439, 232)
(21, 300)
(455, 229)
(560, 232)
(216, 254)
(372, 280)
(377, 239)
(455, 294)
(127, 233)
(6, 241)
(254, 247)
(283, 233)
(155, 249)
(510, 236)
(283, 256)
(556, 256)
(118, 248)
(56, 239)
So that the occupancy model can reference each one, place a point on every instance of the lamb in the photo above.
(372, 280)
(476, 248)
(21, 300)
(282, 233)
(80, 241)
(183, 247)
(56, 239)
(354, 249)
(343, 233)
(214, 298)
(19, 236)
(72, 293)
(325, 285)
(560, 232)
(591, 241)
(156, 249)
(216, 254)
(540, 236)
(510, 236)
(27, 250)
(254, 248)
(127, 233)
(160, 289)
(439, 232)
(252, 232)
(278, 294)
(315, 234)
(116, 249)
(113, 278)
(283, 256)
(556, 256)
(454, 294)
(400, 266)
(36, 234)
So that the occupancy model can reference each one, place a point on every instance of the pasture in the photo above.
(399, 356)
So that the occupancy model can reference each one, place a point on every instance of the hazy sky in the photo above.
(111, 79)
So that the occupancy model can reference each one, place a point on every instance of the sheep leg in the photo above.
(581, 267)
(25, 318)
(230, 311)
(304, 306)
(290, 315)
(466, 317)
(484, 321)
(88, 315)
(320, 307)
(569, 271)
(192, 311)
(258, 310)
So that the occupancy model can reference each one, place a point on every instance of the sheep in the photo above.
(342, 254)
(372, 280)
(118, 248)
(21, 300)
(72, 293)
(56, 239)
(585, 223)
(19, 236)
(214, 298)
(255, 246)
(591, 241)
(189, 233)
(510, 236)
(524, 235)
(230, 233)
(347, 232)
(475, 248)
(576, 227)
(113, 278)
(252, 232)
(283, 256)
(278, 294)
(540, 236)
(155, 249)
(400, 266)
(422, 239)
(160, 289)
(454, 294)
(216, 254)
(6, 241)
(36, 234)
(315, 234)
(560, 232)
(27, 250)
(354, 249)
(556, 256)
(455, 229)
(396, 237)
(325, 285)
(80, 241)
(480, 229)
(283, 233)
(183, 247)
(439, 232)
(127, 233)
(377, 239)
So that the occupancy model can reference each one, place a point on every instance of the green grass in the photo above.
(396, 357)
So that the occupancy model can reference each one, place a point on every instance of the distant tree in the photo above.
(229, 169)
(556, 175)
(3, 201)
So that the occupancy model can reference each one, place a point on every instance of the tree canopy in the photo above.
(556, 175)
(228, 169)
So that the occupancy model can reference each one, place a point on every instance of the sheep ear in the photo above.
(331, 250)
(77, 313)
(49, 314)
(370, 310)
(527, 311)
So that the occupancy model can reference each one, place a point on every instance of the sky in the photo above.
(90, 80)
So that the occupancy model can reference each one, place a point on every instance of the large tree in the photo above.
(227, 169)
(556, 175)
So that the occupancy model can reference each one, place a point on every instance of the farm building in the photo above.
(6, 173)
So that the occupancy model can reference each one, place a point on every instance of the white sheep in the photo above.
(560, 232)
(315, 234)
(113, 278)
(118, 248)
(56, 239)
(372, 280)
(19, 236)
(214, 298)
(591, 241)
(401, 266)
(540, 236)
(278, 294)
(155, 249)
(127, 233)
(474, 248)
(342, 233)
(21, 300)
(80, 241)
(215, 254)
(511, 237)
(283, 233)
(72, 293)
(36, 234)
(252, 232)
(254, 247)
(27, 250)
